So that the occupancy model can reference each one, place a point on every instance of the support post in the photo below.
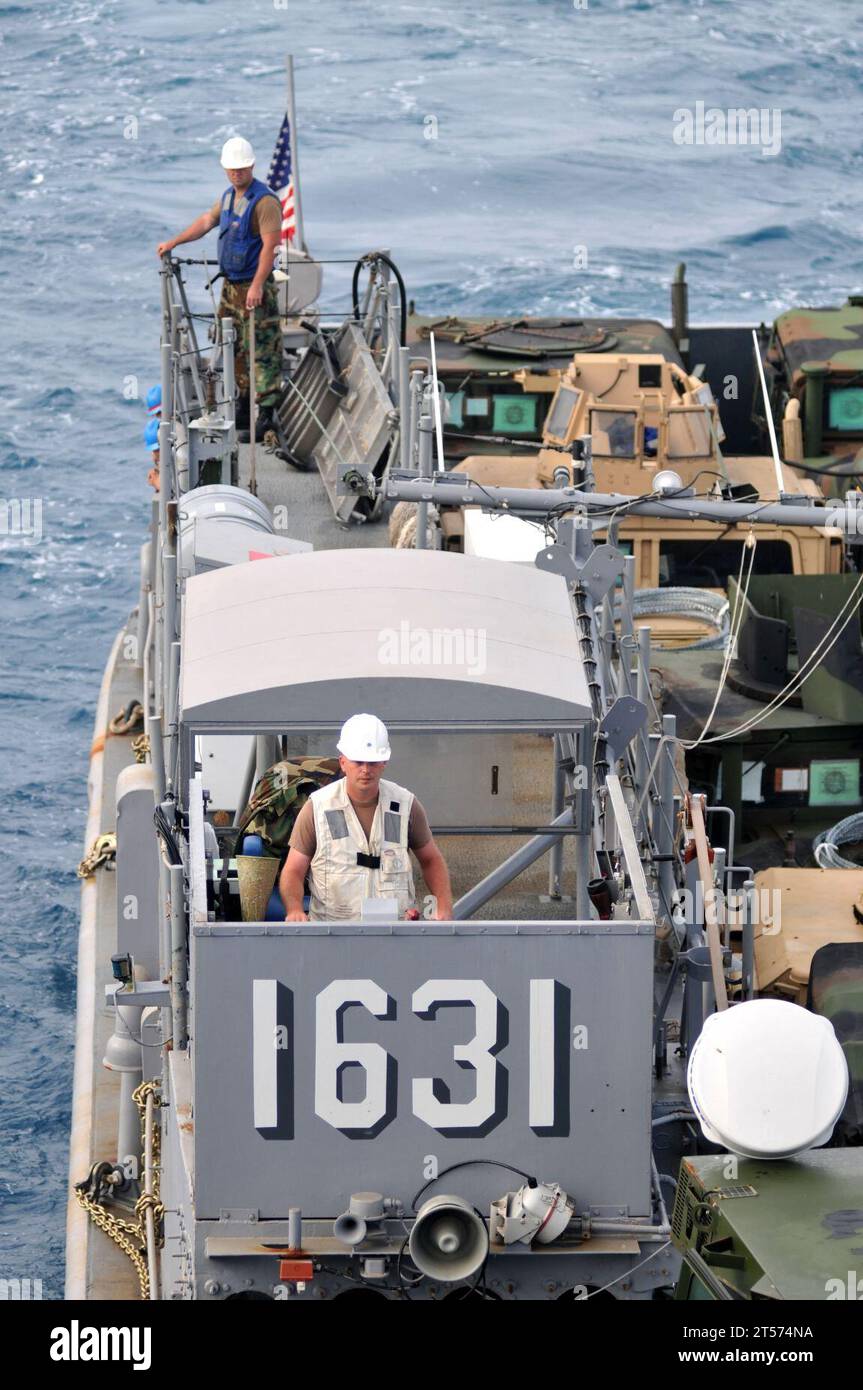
(583, 795)
(425, 462)
(558, 790)
(642, 690)
(404, 408)
(229, 384)
(253, 407)
(179, 972)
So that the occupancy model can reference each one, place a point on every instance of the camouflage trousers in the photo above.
(268, 340)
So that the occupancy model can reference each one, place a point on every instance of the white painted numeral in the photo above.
(477, 1055)
(332, 1054)
(541, 1054)
(264, 1054)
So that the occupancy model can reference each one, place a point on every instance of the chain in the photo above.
(104, 849)
(125, 720)
(129, 1236)
(141, 748)
(120, 1232)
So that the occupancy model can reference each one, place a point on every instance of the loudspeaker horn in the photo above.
(449, 1240)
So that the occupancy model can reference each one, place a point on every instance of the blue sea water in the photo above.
(554, 126)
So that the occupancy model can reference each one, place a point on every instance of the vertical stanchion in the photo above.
(748, 973)
(253, 407)
(584, 820)
(642, 690)
(404, 408)
(178, 959)
(558, 789)
(425, 469)
(229, 405)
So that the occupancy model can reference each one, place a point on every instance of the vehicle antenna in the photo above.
(437, 415)
(780, 482)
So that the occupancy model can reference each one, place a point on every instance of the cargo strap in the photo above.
(103, 851)
(368, 861)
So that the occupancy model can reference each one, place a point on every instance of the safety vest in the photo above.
(239, 250)
(346, 867)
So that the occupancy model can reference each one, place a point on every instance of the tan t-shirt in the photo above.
(304, 837)
(266, 216)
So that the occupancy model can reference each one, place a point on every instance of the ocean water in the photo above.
(554, 128)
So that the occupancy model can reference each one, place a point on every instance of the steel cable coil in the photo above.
(701, 604)
(846, 832)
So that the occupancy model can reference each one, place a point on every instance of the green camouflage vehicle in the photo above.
(816, 360)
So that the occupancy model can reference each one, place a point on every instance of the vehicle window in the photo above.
(613, 433)
(845, 409)
(559, 416)
(708, 564)
(514, 415)
(688, 434)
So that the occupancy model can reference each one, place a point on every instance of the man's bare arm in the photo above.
(255, 292)
(436, 875)
(292, 883)
(195, 230)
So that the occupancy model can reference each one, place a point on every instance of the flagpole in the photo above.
(295, 167)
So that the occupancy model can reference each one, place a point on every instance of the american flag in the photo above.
(281, 180)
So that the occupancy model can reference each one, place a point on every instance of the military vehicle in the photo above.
(488, 1108)
(778, 1231)
(815, 360)
(648, 420)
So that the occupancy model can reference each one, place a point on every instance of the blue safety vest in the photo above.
(239, 249)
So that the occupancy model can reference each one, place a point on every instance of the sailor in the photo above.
(151, 432)
(151, 439)
(353, 838)
(249, 218)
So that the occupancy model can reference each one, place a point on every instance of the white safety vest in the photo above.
(346, 867)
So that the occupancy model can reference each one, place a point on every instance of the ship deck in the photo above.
(96, 1268)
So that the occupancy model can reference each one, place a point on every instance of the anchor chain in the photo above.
(141, 748)
(102, 851)
(125, 720)
(128, 1236)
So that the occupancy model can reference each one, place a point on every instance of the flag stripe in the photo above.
(281, 180)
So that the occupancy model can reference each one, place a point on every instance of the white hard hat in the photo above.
(364, 739)
(237, 153)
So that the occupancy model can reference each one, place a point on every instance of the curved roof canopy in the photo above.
(422, 638)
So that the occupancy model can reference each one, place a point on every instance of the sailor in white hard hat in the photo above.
(353, 838)
(249, 218)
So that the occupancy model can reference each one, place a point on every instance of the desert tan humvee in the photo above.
(645, 414)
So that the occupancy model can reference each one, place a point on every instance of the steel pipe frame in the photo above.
(542, 501)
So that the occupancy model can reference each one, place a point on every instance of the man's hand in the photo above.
(254, 295)
(164, 247)
(291, 885)
(436, 875)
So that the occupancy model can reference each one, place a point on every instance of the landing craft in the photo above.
(497, 1106)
